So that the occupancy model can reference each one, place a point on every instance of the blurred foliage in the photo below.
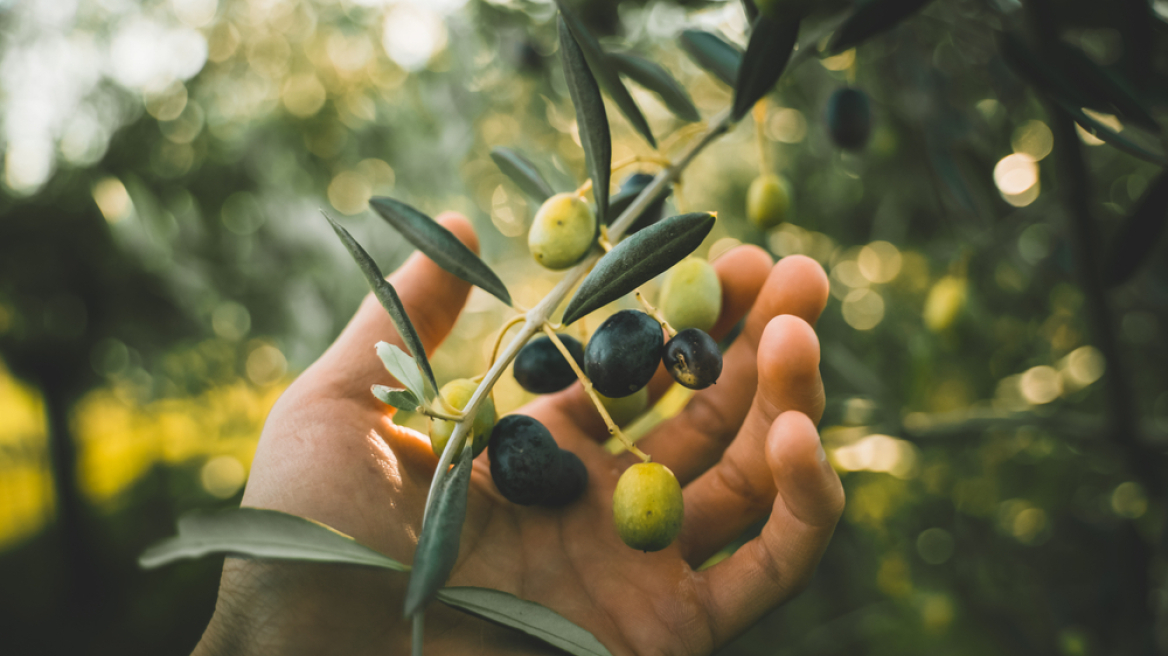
(164, 271)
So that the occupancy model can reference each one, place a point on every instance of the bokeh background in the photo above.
(165, 272)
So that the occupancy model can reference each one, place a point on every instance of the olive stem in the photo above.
(437, 414)
(759, 113)
(613, 429)
(655, 313)
(536, 316)
(499, 339)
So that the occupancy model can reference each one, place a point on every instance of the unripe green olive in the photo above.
(457, 394)
(691, 295)
(647, 506)
(767, 201)
(562, 232)
(626, 408)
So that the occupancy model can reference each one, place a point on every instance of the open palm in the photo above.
(741, 449)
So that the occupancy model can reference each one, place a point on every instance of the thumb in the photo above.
(433, 299)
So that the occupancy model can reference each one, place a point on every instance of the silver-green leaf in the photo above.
(262, 533)
(713, 53)
(527, 616)
(523, 173)
(605, 74)
(402, 399)
(441, 532)
(655, 78)
(398, 363)
(388, 298)
(440, 245)
(638, 259)
(772, 40)
(591, 118)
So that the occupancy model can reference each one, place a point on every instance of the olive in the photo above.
(524, 459)
(767, 201)
(691, 295)
(562, 232)
(630, 188)
(944, 303)
(456, 394)
(849, 118)
(623, 353)
(540, 368)
(647, 506)
(568, 482)
(628, 408)
(693, 359)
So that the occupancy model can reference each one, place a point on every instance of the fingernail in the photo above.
(822, 454)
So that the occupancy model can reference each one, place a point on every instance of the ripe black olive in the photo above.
(540, 368)
(849, 118)
(693, 359)
(623, 353)
(529, 468)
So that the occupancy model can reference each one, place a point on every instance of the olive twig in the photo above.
(652, 311)
(603, 239)
(499, 341)
(583, 189)
(613, 429)
(641, 159)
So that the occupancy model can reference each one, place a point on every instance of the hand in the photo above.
(741, 449)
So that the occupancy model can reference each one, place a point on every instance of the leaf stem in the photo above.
(613, 429)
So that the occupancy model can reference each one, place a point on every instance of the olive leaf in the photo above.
(523, 173)
(655, 78)
(441, 531)
(1037, 70)
(718, 57)
(402, 399)
(398, 363)
(261, 533)
(750, 9)
(440, 245)
(1139, 234)
(388, 298)
(590, 115)
(772, 40)
(1105, 89)
(870, 19)
(605, 74)
(527, 616)
(638, 259)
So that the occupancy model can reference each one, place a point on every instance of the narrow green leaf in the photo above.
(638, 259)
(1139, 234)
(440, 245)
(655, 78)
(718, 57)
(527, 616)
(388, 298)
(872, 18)
(523, 173)
(1108, 91)
(605, 74)
(401, 399)
(1037, 70)
(438, 546)
(772, 40)
(398, 363)
(261, 533)
(591, 118)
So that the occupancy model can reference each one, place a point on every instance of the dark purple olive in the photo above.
(540, 368)
(693, 359)
(849, 118)
(623, 354)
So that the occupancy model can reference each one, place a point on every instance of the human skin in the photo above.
(742, 449)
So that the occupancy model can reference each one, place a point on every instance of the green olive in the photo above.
(626, 408)
(562, 232)
(647, 506)
(456, 395)
(767, 201)
(691, 295)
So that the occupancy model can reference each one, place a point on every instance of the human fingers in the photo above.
(739, 489)
(432, 298)
(694, 440)
(779, 563)
(741, 271)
